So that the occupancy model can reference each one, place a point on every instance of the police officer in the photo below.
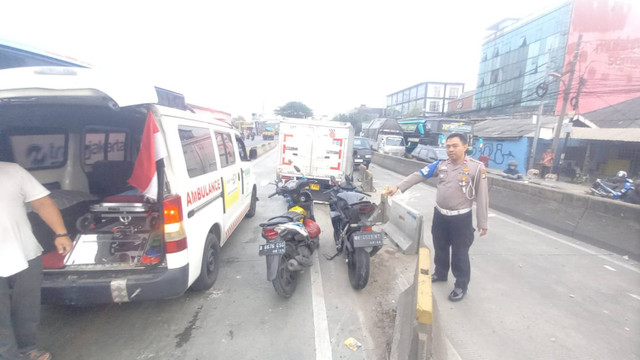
(461, 180)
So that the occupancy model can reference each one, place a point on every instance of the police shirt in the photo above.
(458, 186)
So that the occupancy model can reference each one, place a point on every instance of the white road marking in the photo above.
(634, 296)
(609, 268)
(321, 326)
(628, 267)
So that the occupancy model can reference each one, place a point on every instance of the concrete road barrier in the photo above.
(264, 147)
(404, 227)
(367, 179)
(413, 332)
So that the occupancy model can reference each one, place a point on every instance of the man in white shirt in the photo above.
(20, 260)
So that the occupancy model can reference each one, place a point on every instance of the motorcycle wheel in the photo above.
(358, 262)
(286, 280)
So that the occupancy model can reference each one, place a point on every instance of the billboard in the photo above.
(607, 71)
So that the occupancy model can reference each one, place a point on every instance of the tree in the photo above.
(294, 109)
(357, 119)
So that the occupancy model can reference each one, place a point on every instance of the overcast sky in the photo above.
(254, 56)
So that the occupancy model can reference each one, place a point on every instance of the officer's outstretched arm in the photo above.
(415, 178)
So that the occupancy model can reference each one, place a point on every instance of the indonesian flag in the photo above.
(152, 149)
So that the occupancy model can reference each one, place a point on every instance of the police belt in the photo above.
(452, 212)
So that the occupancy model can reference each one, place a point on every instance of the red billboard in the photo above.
(607, 71)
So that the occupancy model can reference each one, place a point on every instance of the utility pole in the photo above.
(536, 136)
(565, 101)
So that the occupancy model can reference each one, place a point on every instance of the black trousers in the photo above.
(20, 310)
(455, 233)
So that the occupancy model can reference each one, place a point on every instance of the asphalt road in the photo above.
(242, 317)
(534, 294)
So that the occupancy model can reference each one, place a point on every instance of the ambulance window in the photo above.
(197, 147)
(104, 145)
(225, 148)
(44, 150)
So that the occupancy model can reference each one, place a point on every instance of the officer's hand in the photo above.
(483, 232)
(392, 190)
(63, 245)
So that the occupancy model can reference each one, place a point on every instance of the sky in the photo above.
(253, 56)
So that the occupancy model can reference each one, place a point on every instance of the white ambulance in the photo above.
(87, 138)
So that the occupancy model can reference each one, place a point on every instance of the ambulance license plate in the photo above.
(315, 186)
(272, 248)
(367, 238)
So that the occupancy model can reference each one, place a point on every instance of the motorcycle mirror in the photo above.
(297, 168)
(333, 180)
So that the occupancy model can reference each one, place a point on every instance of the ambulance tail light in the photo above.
(174, 235)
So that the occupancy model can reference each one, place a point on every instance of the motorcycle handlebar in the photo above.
(272, 195)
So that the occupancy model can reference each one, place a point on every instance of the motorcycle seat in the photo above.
(290, 216)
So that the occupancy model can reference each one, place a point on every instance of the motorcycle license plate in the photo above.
(315, 186)
(272, 248)
(367, 238)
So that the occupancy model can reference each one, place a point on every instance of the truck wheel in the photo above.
(210, 264)
(358, 268)
(286, 280)
(254, 201)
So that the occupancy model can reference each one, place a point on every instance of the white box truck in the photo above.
(320, 149)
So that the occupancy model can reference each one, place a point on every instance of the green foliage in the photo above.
(294, 109)
(414, 112)
(357, 119)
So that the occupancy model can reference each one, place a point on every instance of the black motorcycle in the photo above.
(291, 237)
(352, 218)
(296, 193)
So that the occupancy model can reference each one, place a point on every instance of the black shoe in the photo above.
(457, 294)
(436, 278)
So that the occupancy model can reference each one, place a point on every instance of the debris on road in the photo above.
(353, 344)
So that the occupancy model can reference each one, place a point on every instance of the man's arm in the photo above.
(482, 201)
(415, 178)
(48, 211)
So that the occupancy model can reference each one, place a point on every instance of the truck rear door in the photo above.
(297, 142)
(328, 151)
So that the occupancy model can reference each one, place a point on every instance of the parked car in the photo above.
(361, 151)
(429, 153)
(391, 145)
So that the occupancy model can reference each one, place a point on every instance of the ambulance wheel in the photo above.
(210, 264)
(358, 262)
(254, 203)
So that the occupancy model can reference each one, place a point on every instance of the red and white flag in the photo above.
(152, 149)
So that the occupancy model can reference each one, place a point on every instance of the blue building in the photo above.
(516, 58)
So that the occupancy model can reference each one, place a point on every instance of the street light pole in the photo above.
(565, 101)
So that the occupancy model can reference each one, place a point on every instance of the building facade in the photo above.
(424, 99)
(517, 57)
(464, 102)
(526, 62)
